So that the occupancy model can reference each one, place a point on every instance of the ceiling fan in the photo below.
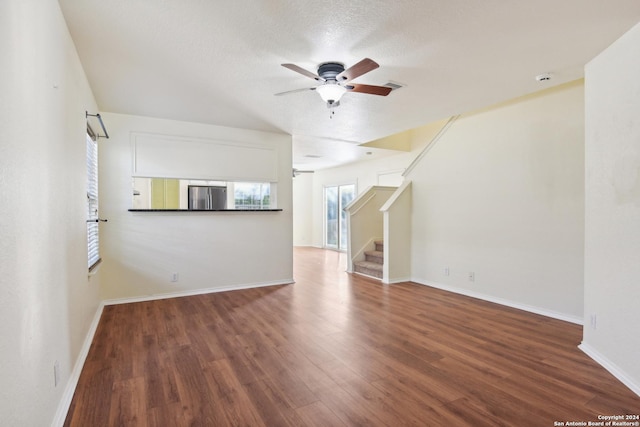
(335, 81)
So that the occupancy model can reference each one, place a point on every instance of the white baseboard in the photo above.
(611, 367)
(72, 382)
(508, 303)
(366, 275)
(399, 280)
(196, 292)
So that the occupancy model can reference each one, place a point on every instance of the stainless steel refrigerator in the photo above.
(209, 198)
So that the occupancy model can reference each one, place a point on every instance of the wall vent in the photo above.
(394, 85)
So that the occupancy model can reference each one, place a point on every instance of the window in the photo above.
(335, 226)
(252, 195)
(93, 242)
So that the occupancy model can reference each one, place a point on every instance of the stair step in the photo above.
(374, 256)
(373, 269)
(379, 245)
(378, 254)
(370, 265)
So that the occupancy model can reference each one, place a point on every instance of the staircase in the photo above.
(372, 265)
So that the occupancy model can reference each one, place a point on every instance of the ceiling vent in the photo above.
(394, 85)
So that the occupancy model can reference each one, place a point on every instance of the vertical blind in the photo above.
(93, 241)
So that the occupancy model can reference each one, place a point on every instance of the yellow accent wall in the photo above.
(405, 141)
(165, 193)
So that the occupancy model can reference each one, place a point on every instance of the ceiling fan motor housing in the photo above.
(329, 70)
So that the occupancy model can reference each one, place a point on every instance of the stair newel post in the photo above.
(349, 243)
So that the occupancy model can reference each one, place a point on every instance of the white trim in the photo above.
(508, 303)
(430, 145)
(196, 292)
(72, 382)
(264, 159)
(398, 280)
(611, 367)
(364, 202)
(396, 194)
(359, 197)
(370, 277)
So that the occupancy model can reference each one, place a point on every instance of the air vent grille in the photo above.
(394, 85)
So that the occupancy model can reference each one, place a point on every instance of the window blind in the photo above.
(93, 238)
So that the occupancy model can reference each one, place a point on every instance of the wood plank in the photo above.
(338, 349)
(317, 414)
(237, 406)
(128, 406)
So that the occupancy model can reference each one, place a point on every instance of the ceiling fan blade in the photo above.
(294, 91)
(357, 70)
(297, 172)
(372, 90)
(294, 67)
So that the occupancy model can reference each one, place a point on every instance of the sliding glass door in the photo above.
(335, 199)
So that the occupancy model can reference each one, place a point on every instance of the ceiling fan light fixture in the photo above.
(331, 92)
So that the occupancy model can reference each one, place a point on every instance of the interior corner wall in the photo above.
(208, 250)
(501, 195)
(612, 211)
(47, 302)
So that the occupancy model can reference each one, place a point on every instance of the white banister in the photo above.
(430, 145)
(364, 202)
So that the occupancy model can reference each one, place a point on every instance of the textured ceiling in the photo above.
(218, 62)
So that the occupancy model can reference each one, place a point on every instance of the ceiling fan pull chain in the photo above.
(332, 110)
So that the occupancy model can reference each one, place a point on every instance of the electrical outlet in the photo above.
(594, 321)
(446, 271)
(56, 373)
(174, 277)
(472, 276)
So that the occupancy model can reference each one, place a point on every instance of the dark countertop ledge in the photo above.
(205, 210)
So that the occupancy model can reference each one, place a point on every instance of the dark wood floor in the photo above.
(338, 350)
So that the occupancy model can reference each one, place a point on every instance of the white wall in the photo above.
(207, 249)
(302, 209)
(612, 229)
(47, 302)
(501, 195)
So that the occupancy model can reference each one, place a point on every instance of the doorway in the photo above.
(335, 225)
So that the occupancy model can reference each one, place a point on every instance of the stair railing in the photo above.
(430, 145)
